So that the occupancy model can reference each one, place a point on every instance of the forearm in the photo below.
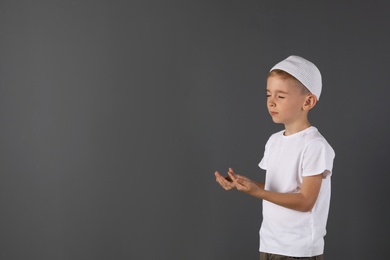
(260, 185)
(295, 201)
(303, 200)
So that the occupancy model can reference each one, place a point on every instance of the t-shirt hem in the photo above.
(293, 253)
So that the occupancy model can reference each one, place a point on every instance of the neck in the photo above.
(295, 128)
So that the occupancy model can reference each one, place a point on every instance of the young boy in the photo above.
(298, 163)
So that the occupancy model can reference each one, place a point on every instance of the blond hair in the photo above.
(287, 76)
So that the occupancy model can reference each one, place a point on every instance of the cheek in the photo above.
(292, 107)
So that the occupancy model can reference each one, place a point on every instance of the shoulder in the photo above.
(274, 138)
(313, 139)
(276, 135)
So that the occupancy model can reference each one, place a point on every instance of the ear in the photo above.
(310, 102)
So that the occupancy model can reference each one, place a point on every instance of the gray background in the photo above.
(115, 114)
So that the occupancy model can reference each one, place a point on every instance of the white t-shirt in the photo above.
(287, 159)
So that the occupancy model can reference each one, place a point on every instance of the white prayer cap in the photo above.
(304, 71)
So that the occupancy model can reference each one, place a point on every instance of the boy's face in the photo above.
(285, 100)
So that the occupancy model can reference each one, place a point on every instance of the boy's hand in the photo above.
(243, 183)
(226, 182)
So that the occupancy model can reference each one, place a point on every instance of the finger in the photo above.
(224, 183)
(232, 173)
(229, 184)
(225, 186)
(238, 181)
(243, 184)
(232, 176)
(218, 177)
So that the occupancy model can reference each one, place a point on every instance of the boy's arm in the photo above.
(301, 201)
(227, 182)
(260, 184)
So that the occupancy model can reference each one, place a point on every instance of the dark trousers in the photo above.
(267, 256)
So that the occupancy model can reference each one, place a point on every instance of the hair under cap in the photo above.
(304, 71)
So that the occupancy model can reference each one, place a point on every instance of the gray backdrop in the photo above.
(115, 115)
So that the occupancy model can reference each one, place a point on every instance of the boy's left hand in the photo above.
(225, 182)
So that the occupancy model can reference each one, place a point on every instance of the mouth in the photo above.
(272, 113)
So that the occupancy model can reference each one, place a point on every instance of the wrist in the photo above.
(258, 193)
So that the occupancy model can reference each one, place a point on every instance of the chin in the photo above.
(277, 121)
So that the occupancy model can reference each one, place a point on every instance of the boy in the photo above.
(298, 163)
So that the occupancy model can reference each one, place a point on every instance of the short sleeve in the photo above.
(318, 158)
(263, 162)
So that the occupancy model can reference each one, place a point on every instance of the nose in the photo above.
(270, 102)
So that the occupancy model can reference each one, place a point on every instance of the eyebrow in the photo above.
(277, 91)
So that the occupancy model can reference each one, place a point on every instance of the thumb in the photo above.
(240, 181)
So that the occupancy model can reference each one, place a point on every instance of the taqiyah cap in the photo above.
(304, 71)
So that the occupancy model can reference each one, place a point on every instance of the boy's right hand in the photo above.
(224, 181)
